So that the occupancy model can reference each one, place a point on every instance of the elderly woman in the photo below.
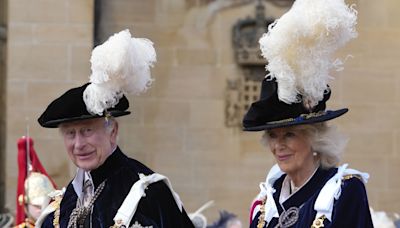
(305, 188)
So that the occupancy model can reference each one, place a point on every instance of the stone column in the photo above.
(3, 18)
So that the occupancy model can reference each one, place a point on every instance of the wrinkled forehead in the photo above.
(83, 123)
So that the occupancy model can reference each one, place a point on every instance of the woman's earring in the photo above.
(314, 154)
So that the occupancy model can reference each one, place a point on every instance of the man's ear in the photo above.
(114, 133)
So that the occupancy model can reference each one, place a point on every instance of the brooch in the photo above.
(137, 225)
(318, 222)
(289, 217)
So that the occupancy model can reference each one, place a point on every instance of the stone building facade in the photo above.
(178, 127)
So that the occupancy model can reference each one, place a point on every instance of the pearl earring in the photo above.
(314, 154)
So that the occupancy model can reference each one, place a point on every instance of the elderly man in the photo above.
(109, 189)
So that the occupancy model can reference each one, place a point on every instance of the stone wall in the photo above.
(177, 128)
(49, 45)
(369, 86)
(3, 40)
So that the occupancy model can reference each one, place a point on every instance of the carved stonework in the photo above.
(240, 93)
(232, 107)
(246, 33)
(243, 91)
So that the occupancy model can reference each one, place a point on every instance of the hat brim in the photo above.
(302, 119)
(56, 123)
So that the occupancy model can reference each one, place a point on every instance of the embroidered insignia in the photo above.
(289, 217)
(119, 224)
(138, 225)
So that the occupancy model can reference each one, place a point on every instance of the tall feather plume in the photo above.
(300, 45)
(121, 65)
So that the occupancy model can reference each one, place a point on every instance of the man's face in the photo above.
(89, 142)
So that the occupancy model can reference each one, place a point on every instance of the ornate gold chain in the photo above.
(78, 215)
(56, 204)
(261, 221)
(318, 222)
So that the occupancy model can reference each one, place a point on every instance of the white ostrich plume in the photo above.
(300, 45)
(121, 65)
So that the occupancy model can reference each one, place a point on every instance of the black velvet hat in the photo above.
(71, 107)
(120, 66)
(269, 112)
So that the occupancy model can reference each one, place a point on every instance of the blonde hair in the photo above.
(325, 140)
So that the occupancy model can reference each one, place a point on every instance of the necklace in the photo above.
(78, 215)
(261, 221)
(287, 219)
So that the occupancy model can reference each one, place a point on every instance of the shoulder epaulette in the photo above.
(349, 176)
(56, 205)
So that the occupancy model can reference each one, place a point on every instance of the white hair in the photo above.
(110, 123)
(325, 140)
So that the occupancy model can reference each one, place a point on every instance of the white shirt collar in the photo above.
(286, 192)
(80, 178)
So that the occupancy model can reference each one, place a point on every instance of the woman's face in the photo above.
(291, 148)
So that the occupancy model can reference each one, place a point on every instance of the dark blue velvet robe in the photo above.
(158, 208)
(351, 210)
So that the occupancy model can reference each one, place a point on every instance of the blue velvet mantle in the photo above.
(350, 210)
(157, 208)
